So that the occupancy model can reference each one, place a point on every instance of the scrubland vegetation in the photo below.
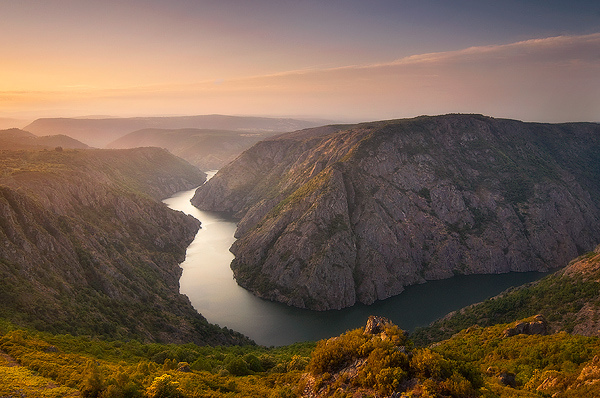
(59, 365)
(477, 362)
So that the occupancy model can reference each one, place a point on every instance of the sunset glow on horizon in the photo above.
(340, 60)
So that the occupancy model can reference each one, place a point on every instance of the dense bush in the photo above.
(131, 370)
(383, 362)
(469, 364)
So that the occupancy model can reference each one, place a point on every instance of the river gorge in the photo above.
(208, 281)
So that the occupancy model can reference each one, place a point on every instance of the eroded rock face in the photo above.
(87, 247)
(344, 214)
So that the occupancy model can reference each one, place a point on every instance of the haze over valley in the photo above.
(299, 199)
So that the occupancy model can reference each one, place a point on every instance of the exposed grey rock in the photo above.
(376, 324)
(344, 214)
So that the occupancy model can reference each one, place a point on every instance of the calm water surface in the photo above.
(208, 281)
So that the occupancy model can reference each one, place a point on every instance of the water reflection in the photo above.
(208, 281)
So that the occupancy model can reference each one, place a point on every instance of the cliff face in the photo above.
(87, 247)
(344, 214)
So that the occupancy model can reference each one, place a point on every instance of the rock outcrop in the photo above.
(537, 326)
(343, 214)
(376, 324)
(88, 248)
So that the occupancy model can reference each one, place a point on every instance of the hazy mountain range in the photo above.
(98, 132)
(14, 139)
(204, 148)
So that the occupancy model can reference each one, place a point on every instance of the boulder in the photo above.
(537, 326)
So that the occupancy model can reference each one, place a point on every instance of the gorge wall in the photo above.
(337, 215)
(88, 248)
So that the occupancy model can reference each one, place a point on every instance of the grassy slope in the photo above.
(121, 368)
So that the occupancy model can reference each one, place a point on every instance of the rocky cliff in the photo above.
(343, 214)
(88, 248)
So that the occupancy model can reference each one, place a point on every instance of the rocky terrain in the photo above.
(337, 215)
(204, 148)
(88, 248)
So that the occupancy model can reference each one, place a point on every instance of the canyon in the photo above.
(341, 214)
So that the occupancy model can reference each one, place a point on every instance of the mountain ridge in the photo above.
(207, 149)
(99, 132)
(336, 215)
(17, 139)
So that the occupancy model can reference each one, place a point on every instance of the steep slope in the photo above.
(205, 149)
(88, 248)
(343, 214)
(101, 131)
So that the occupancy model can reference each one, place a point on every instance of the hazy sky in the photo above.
(355, 60)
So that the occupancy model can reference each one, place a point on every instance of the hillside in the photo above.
(568, 299)
(205, 149)
(16, 139)
(522, 357)
(377, 361)
(99, 132)
(88, 248)
(337, 215)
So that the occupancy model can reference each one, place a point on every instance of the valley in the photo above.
(87, 247)
(101, 131)
(90, 301)
(208, 281)
(345, 214)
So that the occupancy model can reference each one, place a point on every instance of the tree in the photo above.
(164, 387)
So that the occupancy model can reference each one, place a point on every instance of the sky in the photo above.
(534, 60)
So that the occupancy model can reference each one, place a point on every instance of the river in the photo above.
(208, 281)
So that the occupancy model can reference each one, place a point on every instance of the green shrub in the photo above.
(253, 362)
(164, 387)
(238, 367)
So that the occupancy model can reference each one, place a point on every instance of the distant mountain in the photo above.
(14, 139)
(98, 132)
(89, 249)
(204, 148)
(336, 215)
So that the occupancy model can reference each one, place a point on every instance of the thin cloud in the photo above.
(548, 79)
